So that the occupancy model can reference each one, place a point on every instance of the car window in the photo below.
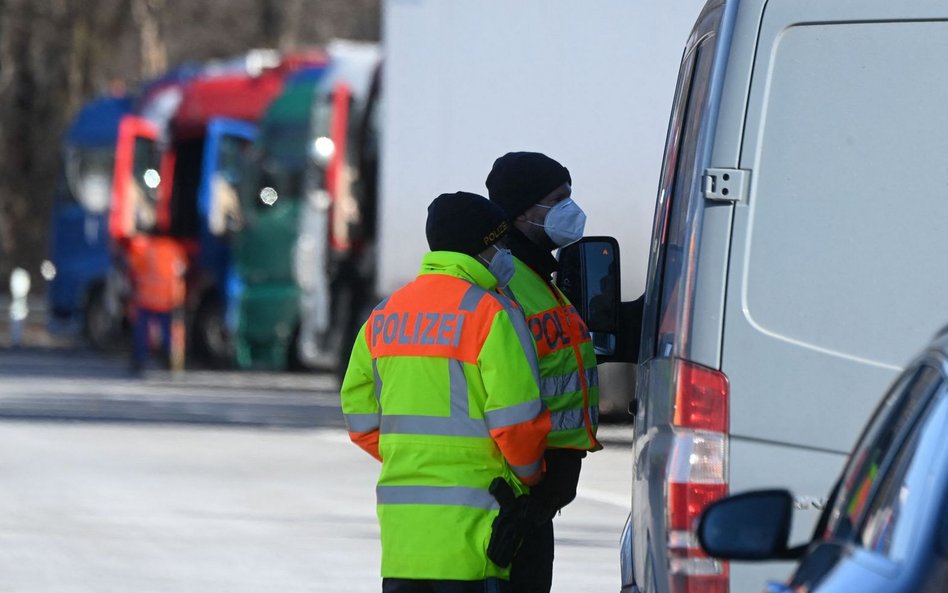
(888, 523)
(884, 436)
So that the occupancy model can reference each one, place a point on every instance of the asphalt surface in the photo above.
(74, 383)
(217, 481)
(77, 384)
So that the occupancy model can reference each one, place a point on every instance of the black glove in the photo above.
(557, 488)
(508, 527)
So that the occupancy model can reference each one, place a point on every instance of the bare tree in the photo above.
(153, 49)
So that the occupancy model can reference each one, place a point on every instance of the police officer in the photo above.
(536, 194)
(442, 388)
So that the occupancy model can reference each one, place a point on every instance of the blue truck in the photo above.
(80, 297)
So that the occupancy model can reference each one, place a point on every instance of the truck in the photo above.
(300, 253)
(86, 292)
(196, 164)
(81, 296)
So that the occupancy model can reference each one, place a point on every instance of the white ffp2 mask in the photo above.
(565, 222)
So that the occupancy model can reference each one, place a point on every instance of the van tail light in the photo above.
(701, 396)
(697, 475)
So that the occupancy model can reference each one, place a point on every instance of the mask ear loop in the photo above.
(539, 205)
(563, 201)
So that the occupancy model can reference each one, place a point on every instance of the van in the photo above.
(798, 254)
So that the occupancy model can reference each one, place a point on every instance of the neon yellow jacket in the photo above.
(569, 380)
(442, 387)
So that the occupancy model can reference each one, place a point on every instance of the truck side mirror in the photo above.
(589, 277)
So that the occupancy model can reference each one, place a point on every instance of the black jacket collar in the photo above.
(540, 261)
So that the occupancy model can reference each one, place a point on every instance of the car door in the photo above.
(877, 534)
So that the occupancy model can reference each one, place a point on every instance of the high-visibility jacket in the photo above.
(569, 380)
(158, 265)
(442, 387)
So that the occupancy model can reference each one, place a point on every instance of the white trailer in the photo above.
(588, 83)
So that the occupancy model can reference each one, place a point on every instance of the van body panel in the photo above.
(711, 286)
(732, 105)
(806, 304)
(753, 463)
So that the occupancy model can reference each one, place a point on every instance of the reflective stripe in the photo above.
(567, 419)
(459, 423)
(460, 408)
(554, 386)
(472, 298)
(447, 495)
(361, 422)
(573, 419)
(592, 377)
(523, 333)
(568, 383)
(378, 383)
(513, 415)
(382, 304)
(525, 471)
(434, 425)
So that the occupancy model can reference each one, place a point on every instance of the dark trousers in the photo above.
(143, 333)
(532, 568)
(430, 586)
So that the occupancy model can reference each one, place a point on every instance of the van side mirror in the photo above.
(750, 526)
(589, 277)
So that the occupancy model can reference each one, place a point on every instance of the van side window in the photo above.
(671, 232)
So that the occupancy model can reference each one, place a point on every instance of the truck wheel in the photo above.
(295, 362)
(213, 344)
(103, 328)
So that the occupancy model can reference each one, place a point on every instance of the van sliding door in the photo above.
(837, 270)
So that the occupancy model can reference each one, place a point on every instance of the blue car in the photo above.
(885, 527)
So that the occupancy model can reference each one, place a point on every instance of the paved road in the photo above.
(216, 482)
(44, 384)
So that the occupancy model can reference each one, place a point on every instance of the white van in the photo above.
(799, 256)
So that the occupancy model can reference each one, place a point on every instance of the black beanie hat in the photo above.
(464, 222)
(519, 180)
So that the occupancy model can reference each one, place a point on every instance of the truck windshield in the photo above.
(145, 181)
(89, 175)
(233, 164)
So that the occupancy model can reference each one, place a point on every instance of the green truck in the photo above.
(302, 254)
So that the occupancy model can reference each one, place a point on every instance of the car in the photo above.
(885, 527)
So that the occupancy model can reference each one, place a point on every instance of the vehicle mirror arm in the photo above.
(630, 331)
(793, 553)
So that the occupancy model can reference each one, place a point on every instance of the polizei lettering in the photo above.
(547, 327)
(426, 329)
